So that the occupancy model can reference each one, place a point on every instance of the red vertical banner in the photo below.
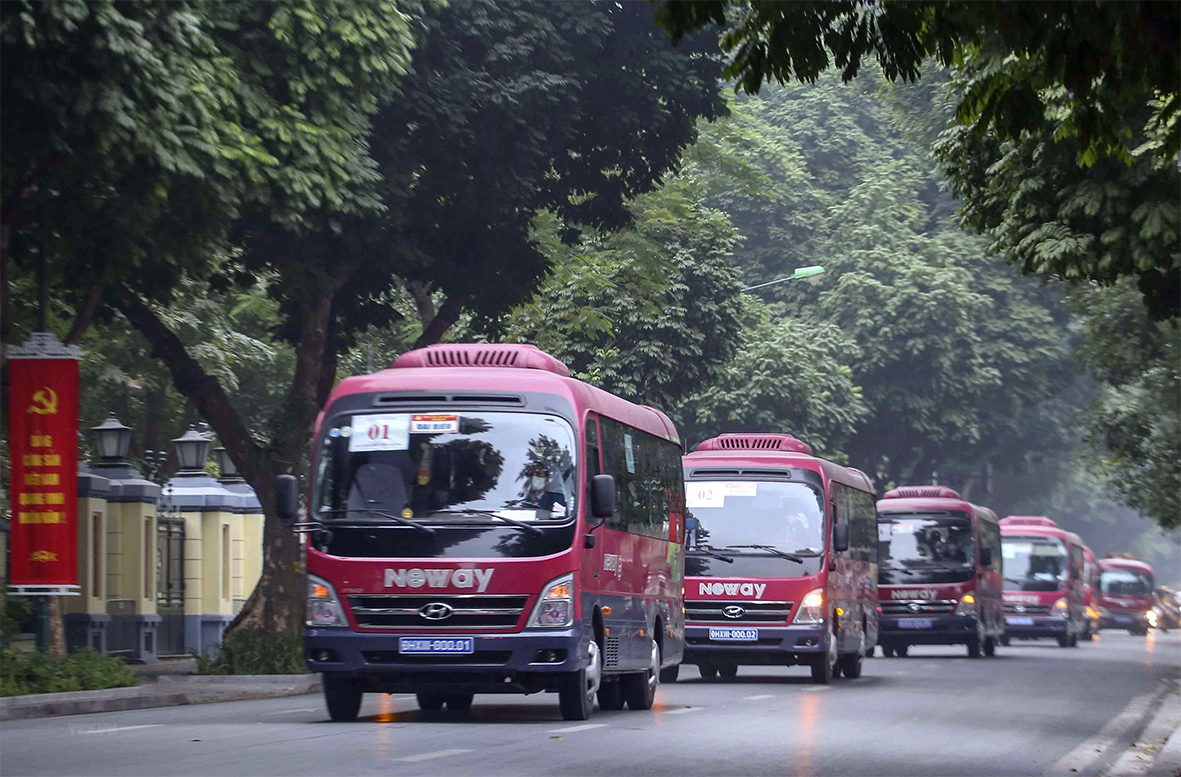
(43, 445)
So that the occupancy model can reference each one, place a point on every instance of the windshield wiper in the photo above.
(491, 514)
(772, 549)
(710, 553)
(379, 514)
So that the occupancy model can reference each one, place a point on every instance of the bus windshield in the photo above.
(1034, 563)
(734, 517)
(1124, 582)
(925, 548)
(470, 468)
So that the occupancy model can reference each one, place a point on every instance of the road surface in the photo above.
(1034, 709)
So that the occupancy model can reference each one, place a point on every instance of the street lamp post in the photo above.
(799, 274)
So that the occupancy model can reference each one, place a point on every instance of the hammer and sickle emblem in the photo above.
(44, 402)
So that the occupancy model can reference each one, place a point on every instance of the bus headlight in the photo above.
(967, 605)
(1092, 613)
(555, 608)
(1151, 615)
(1060, 607)
(323, 608)
(811, 608)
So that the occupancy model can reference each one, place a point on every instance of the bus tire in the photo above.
(670, 673)
(728, 671)
(851, 665)
(888, 651)
(1064, 640)
(708, 671)
(459, 702)
(974, 647)
(342, 696)
(429, 702)
(577, 690)
(1005, 640)
(902, 650)
(990, 646)
(640, 689)
(611, 696)
(826, 665)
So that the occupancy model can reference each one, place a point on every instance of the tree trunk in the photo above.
(57, 628)
(446, 317)
(423, 301)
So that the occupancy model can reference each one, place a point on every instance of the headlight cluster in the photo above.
(1151, 615)
(811, 608)
(323, 608)
(1060, 607)
(555, 608)
(967, 605)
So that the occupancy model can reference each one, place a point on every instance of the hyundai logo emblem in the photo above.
(914, 606)
(1019, 608)
(435, 611)
(733, 611)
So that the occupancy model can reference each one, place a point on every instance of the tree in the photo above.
(1096, 81)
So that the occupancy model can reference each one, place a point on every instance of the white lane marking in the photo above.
(583, 727)
(122, 728)
(681, 711)
(1090, 749)
(900, 673)
(432, 756)
(292, 712)
(759, 697)
(817, 688)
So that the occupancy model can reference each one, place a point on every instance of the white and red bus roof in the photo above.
(1117, 562)
(929, 499)
(1037, 526)
(734, 451)
(501, 367)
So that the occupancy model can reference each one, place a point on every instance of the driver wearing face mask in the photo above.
(542, 491)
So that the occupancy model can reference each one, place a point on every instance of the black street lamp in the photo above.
(192, 449)
(225, 465)
(112, 440)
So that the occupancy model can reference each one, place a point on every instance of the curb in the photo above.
(168, 692)
(1156, 749)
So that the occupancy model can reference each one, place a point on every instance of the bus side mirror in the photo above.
(602, 496)
(840, 537)
(986, 557)
(287, 497)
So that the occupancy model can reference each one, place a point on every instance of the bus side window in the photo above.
(593, 466)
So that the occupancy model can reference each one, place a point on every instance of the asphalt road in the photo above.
(1033, 709)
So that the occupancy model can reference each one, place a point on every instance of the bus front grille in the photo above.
(399, 611)
(1027, 609)
(919, 607)
(709, 611)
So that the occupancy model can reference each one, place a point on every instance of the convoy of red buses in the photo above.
(480, 522)
(1044, 584)
(781, 558)
(939, 574)
(1125, 594)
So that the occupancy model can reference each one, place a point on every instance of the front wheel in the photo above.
(728, 671)
(342, 695)
(851, 665)
(887, 651)
(902, 650)
(824, 667)
(974, 647)
(990, 646)
(1005, 640)
(576, 690)
(707, 672)
(670, 674)
(430, 702)
(640, 689)
(1064, 640)
(459, 702)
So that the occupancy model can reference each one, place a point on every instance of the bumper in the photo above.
(525, 662)
(775, 646)
(1123, 620)
(943, 630)
(1039, 626)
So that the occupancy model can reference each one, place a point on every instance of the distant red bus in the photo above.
(781, 558)
(939, 573)
(480, 522)
(1044, 584)
(1124, 595)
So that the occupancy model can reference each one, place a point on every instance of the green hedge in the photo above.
(82, 670)
(247, 653)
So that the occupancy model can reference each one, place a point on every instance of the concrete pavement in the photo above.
(1032, 709)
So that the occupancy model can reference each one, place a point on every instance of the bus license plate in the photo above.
(734, 635)
(1019, 621)
(914, 623)
(416, 646)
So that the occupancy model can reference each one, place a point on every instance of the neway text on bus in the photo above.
(731, 589)
(439, 578)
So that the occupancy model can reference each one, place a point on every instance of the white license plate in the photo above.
(417, 646)
(914, 623)
(734, 635)
(1019, 621)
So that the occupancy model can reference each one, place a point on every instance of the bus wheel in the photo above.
(430, 702)
(851, 665)
(974, 647)
(708, 671)
(990, 646)
(902, 650)
(1005, 640)
(670, 673)
(342, 695)
(459, 702)
(640, 689)
(728, 671)
(576, 690)
(611, 696)
(1064, 640)
(825, 666)
(888, 651)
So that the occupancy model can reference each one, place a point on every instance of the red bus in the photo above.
(781, 558)
(939, 574)
(480, 522)
(1044, 585)
(1125, 594)
(1091, 582)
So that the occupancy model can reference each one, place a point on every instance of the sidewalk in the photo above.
(1157, 750)
(167, 683)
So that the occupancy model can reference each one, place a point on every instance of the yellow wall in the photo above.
(92, 599)
(251, 553)
(131, 550)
